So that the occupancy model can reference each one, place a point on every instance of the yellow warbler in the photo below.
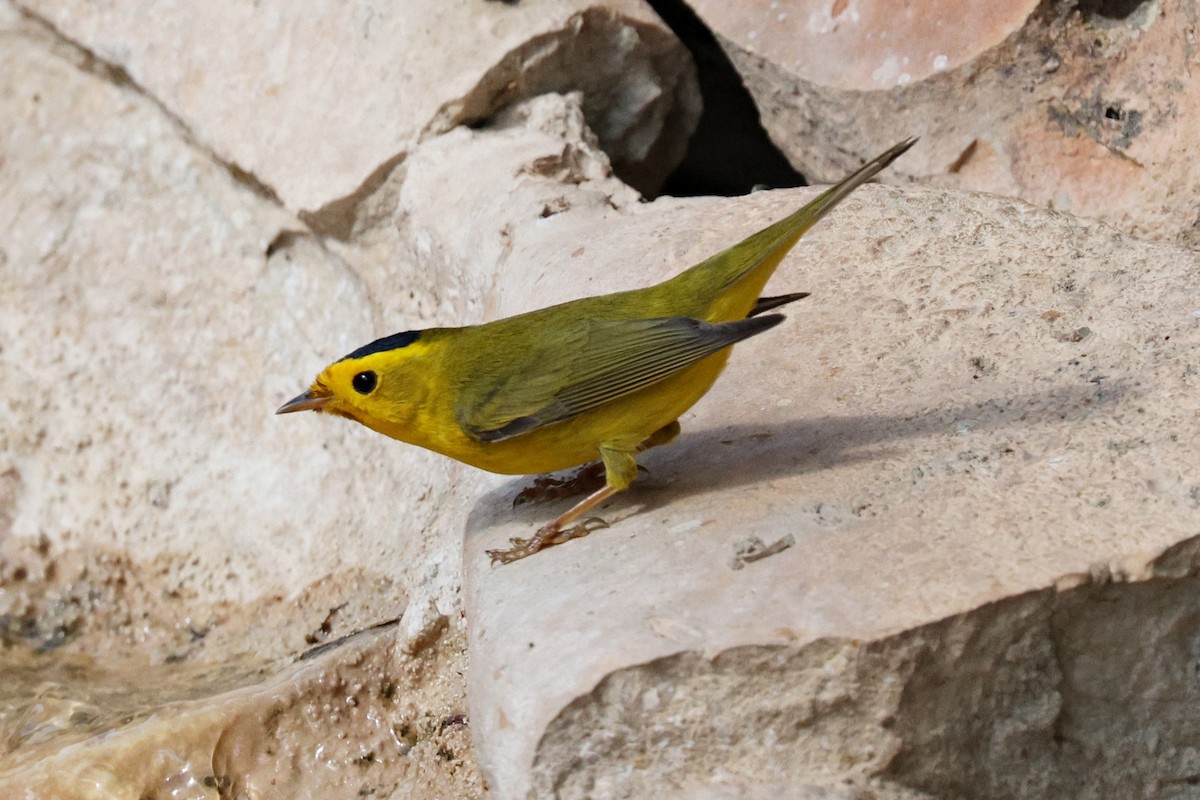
(602, 377)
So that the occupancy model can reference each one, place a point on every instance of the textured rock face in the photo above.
(166, 547)
(340, 92)
(156, 326)
(934, 536)
(1090, 109)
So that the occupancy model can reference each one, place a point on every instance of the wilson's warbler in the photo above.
(603, 377)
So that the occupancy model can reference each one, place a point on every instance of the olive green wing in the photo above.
(593, 363)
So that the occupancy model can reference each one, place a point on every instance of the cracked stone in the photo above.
(315, 114)
(1091, 109)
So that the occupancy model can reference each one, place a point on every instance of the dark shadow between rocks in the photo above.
(729, 153)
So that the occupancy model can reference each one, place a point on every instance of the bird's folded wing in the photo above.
(594, 363)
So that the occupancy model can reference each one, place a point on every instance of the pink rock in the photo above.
(1095, 111)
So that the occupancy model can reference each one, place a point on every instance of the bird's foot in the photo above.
(587, 479)
(547, 536)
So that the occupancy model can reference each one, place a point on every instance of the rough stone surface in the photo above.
(973, 448)
(1090, 108)
(976, 439)
(164, 539)
(313, 99)
(157, 322)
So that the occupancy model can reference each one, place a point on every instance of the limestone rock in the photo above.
(159, 311)
(163, 537)
(313, 101)
(968, 453)
(1089, 108)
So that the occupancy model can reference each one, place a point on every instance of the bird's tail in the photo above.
(749, 264)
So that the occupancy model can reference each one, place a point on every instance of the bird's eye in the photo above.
(364, 382)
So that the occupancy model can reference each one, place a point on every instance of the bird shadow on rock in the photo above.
(709, 459)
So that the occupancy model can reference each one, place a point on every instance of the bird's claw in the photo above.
(576, 531)
(547, 536)
(514, 553)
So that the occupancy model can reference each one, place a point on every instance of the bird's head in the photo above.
(369, 385)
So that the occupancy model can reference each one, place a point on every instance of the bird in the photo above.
(600, 378)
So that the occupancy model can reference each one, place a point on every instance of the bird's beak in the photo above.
(309, 401)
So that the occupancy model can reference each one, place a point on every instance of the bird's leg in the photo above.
(556, 532)
(620, 469)
(589, 477)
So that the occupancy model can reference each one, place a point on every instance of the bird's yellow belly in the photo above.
(631, 419)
